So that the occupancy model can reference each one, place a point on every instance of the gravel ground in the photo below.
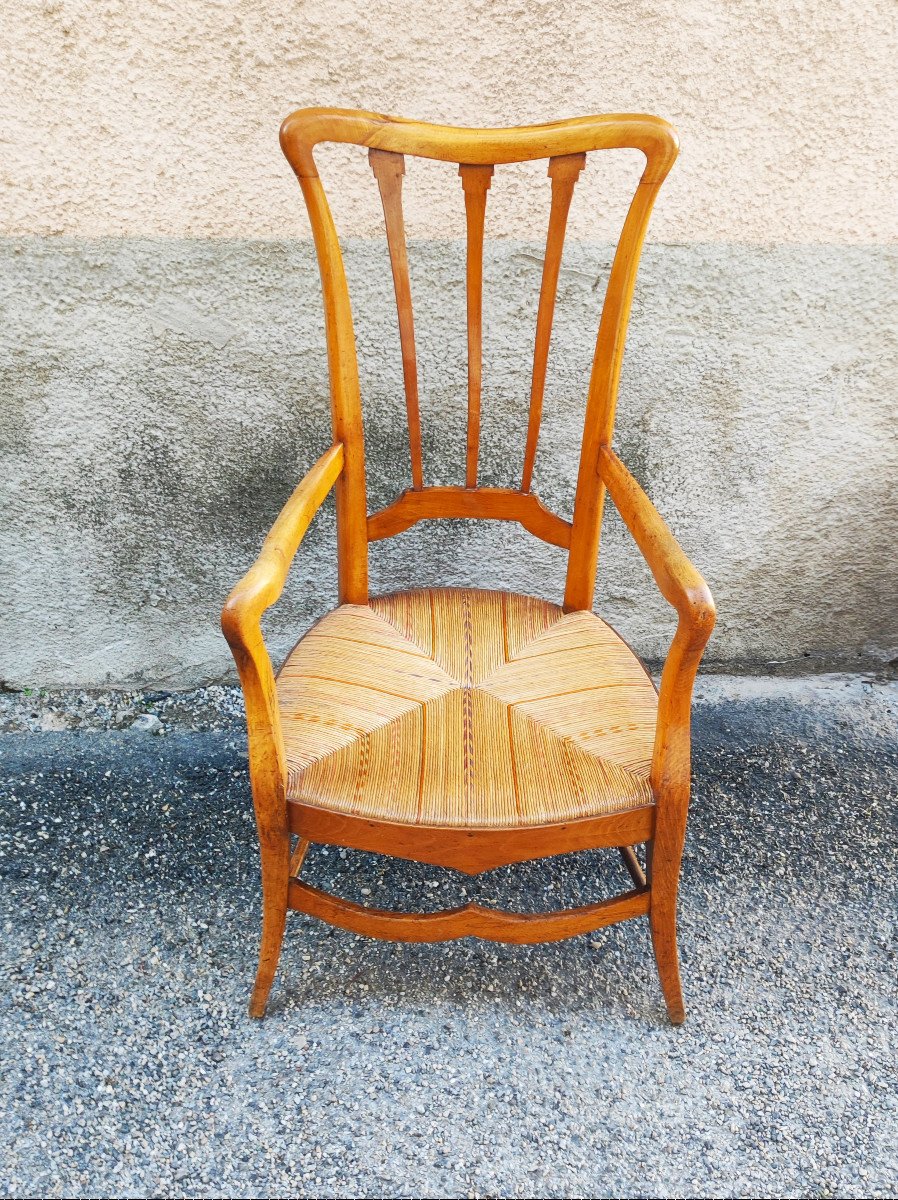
(130, 915)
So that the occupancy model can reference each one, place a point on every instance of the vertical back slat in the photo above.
(564, 171)
(389, 169)
(476, 183)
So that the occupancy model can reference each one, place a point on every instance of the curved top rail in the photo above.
(306, 127)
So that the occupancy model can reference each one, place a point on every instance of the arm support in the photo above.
(683, 587)
(240, 623)
(678, 581)
(264, 581)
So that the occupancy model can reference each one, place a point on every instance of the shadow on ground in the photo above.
(130, 911)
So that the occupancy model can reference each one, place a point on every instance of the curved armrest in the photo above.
(264, 581)
(240, 623)
(683, 587)
(678, 581)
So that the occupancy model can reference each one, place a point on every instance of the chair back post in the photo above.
(477, 151)
(598, 426)
(346, 408)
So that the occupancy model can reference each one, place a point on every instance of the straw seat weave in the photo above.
(466, 708)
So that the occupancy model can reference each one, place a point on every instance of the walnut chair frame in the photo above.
(281, 814)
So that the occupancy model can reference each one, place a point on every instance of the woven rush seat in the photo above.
(466, 708)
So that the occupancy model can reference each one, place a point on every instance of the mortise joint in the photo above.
(566, 167)
(386, 162)
(475, 178)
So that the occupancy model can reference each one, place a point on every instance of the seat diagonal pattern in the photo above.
(468, 709)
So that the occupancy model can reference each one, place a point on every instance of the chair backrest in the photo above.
(477, 151)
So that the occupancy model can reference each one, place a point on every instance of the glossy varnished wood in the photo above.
(685, 590)
(346, 412)
(241, 624)
(471, 920)
(478, 151)
(304, 129)
(602, 395)
(389, 169)
(470, 851)
(564, 172)
(298, 857)
(393, 144)
(633, 865)
(476, 183)
(497, 504)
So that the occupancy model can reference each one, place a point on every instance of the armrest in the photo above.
(240, 623)
(683, 587)
(678, 581)
(264, 581)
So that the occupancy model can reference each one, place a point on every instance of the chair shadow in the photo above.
(610, 970)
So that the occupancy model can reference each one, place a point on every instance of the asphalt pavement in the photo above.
(130, 910)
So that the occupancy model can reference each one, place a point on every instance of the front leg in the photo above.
(663, 873)
(275, 860)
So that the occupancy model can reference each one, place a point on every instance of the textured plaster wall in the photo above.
(160, 118)
(163, 375)
(169, 393)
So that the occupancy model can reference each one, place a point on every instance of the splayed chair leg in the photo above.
(663, 920)
(663, 875)
(273, 924)
(275, 881)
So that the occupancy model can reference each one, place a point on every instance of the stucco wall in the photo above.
(164, 380)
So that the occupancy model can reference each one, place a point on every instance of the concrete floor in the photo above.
(130, 915)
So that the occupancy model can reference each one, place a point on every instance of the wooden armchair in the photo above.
(467, 728)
